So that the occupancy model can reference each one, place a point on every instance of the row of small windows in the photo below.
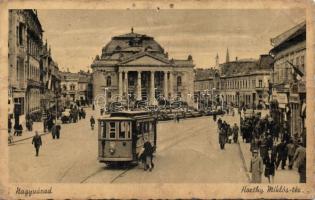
(32, 48)
(283, 69)
(72, 87)
(242, 84)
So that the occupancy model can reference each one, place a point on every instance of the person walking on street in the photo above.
(269, 162)
(235, 133)
(222, 137)
(58, 128)
(282, 154)
(219, 123)
(148, 155)
(214, 117)
(291, 150)
(54, 131)
(37, 142)
(92, 122)
(20, 130)
(300, 161)
(256, 167)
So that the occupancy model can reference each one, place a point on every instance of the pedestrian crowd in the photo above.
(272, 146)
(227, 133)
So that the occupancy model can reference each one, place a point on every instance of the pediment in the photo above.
(145, 60)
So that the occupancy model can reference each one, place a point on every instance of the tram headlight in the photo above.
(112, 148)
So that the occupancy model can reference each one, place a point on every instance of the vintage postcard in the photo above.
(157, 99)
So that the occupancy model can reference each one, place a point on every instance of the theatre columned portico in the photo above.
(135, 67)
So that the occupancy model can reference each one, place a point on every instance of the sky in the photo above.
(77, 36)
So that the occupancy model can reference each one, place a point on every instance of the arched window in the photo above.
(64, 87)
(179, 81)
(72, 87)
(109, 81)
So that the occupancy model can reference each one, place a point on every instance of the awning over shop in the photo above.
(281, 98)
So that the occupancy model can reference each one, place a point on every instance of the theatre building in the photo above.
(135, 67)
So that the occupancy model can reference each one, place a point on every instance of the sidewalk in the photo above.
(39, 126)
(281, 176)
(29, 134)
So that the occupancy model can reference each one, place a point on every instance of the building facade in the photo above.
(288, 80)
(238, 83)
(50, 78)
(135, 67)
(25, 42)
(76, 87)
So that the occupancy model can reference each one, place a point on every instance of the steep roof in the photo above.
(247, 66)
(289, 37)
(202, 74)
(276, 41)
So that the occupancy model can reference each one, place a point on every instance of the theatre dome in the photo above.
(124, 46)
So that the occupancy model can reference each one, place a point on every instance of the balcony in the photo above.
(33, 83)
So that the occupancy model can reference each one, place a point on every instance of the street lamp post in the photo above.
(212, 97)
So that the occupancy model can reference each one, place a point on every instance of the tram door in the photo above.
(145, 129)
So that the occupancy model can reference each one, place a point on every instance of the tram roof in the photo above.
(115, 118)
(129, 113)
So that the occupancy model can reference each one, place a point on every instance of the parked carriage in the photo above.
(121, 136)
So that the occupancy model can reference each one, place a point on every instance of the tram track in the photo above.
(171, 142)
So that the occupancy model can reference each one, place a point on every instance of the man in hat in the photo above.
(256, 167)
(148, 154)
(37, 142)
(300, 161)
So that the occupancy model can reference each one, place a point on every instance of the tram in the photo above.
(121, 136)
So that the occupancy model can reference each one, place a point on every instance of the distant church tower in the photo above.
(227, 56)
(217, 61)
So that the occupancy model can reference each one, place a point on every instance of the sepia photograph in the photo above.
(157, 96)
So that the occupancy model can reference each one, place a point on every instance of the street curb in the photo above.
(244, 162)
(27, 138)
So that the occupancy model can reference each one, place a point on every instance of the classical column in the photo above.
(126, 83)
(152, 89)
(171, 84)
(165, 85)
(120, 86)
(139, 96)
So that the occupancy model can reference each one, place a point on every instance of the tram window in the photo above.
(146, 127)
(112, 130)
(129, 129)
(103, 125)
(122, 130)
